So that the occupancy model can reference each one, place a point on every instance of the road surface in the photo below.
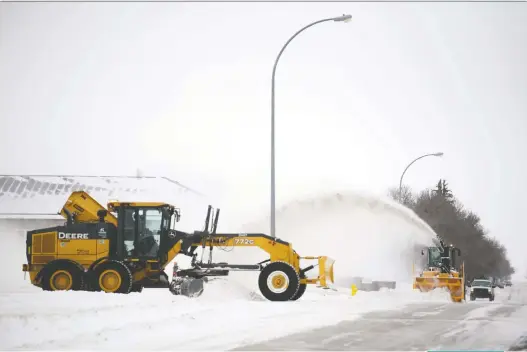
(475, 325)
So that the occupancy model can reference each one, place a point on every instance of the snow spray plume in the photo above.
(366, 235)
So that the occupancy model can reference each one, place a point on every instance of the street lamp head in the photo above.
(343, 18)
(438, 154)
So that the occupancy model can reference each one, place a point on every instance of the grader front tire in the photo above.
(279, 281)
(301, 290)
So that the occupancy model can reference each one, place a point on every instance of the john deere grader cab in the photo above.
(126, 248)
(442, 272)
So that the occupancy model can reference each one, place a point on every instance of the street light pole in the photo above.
(343, 18)
(402, 175)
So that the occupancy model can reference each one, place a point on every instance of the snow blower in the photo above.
(441, 272)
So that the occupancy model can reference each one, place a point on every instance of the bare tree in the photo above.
(402, 195)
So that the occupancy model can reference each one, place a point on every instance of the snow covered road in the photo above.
(231, 315)
(226, 316)
(479, 325)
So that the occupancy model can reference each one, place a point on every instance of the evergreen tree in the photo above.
(443, 190)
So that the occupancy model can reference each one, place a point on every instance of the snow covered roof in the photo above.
(42, 196)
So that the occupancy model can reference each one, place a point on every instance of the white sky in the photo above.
(183, 89)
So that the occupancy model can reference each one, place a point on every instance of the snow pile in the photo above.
(230, 289)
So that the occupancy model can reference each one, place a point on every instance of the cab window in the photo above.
(149, 234)
(434, 256)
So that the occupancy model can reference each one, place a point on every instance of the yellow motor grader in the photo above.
(127, 247)
(441, 272)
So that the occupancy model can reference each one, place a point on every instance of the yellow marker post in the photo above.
(354, 290)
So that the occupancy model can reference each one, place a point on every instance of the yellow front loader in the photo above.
(441, 272)
(127, 247)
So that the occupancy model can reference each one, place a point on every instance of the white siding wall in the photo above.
(13, 251)
(23, 225)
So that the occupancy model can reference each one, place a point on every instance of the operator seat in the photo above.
(147, 245)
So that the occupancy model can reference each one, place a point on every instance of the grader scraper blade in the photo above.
(325, 265)
(325, 271)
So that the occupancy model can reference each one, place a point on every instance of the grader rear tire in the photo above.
(62, 277)
(279, 281)
(114, 277)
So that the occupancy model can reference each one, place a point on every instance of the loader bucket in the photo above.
(454, 285)
(325, 270)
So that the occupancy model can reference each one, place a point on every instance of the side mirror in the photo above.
(422, 252)
(177, 214)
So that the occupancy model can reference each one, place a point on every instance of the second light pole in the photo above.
(402, 175)
(343, 18)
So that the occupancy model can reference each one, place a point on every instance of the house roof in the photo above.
(42, 196)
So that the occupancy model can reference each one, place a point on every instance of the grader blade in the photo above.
(325, 270)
